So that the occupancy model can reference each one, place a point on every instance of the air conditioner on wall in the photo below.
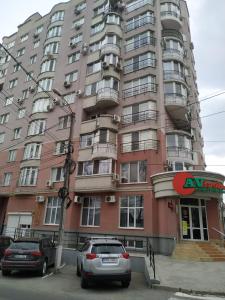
(50, 184)
(79, 93)
(76, 11)
(73, 45)
(40, 199)
(67, 84)
(110, 199)
(50, 107)
(78, 199)
(20, 101)
(116, 119)
(116, 177)
(32, 89)
(105, 65)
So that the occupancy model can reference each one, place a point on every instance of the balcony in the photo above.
(139, 117)
(173, 54)
(172, 33)
(174, 75)
(139, 89)
(110, 49)
(95, 183)
(140, 23)
(140, 146)
(176, 106)
(148, 40)
(104, 151)
(107, 97)
(180, 154)
(103, 121)
(171, 20)
(135, 66)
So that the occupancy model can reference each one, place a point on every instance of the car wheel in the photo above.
(84, 283)
(43, 270)
(78, 270)
(125, 283)
(5, 272)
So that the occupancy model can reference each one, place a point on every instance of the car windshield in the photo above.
(25, 245)
(107, 249)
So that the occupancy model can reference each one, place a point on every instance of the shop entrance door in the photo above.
(193, 219)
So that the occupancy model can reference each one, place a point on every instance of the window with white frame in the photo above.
(45, 84)
(170, 9)
(17, 133)
(9, 100)
(91, 89)
(25, 94)
(140, 40)
(94, 67)
(73, 57)
(139, 140)
(173, 44)
(36, 127)
(13, 83)
(54, 32)
(140, 20)
(20, 52)
(64, 122)
(7, 179)
(134, 5)
(103, 166)
(36, 44)
(111, 39)
(76, 39)
(101, 9)
(71, 76)
(29, 75)
(179, 166)
(24, 37)
(32, 151)
(4, 118)
(51, 48)
(12, 155)
(134, 172)
(111, 59)
(139, 112)
(139, 86)
(48, 66)
(86, 140)
(53, 211)
(10, 45)
(113, 19)
(174, 68)
(3, 72)
(2, 137)
(95, 46)
(132, 211)
(139, 62)
(57, 174)
(69, 98)
(40, 105)
(21, 113)
(57, 16)
(81, 6)
(91, 209)
(33, 59)
(97, 28)
(61, 147)
(78, 23)
(28, 176)
(16, 68)
(178, 141)
(39, 29)
(175, 88)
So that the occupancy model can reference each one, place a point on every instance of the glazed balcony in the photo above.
(107, 97)
(174, 75)
(171, 20)
(172, 33)
(103, 121)
(173, 54)
(176, 106)
(140, 89)
(95, 183)
(104, 151)
(140, 146)
(139, 117)
(110, 49)
(180, 154)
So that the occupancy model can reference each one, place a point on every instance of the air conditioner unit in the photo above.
(110, 199)
(32, 89)
(116, 177)
(50, 107)
(121, 5)
(84, 50)
(76, 11)
(78, 199)
(35, 35)
(67, 84)
(118, 67)
(105, 65)
(40, 199)
(77, 26)
(73, 45)
(20, 101)
(116, 119)
(79, 93)
(49, 56)
(50, 184)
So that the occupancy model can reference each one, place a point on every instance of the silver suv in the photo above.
(103, 259)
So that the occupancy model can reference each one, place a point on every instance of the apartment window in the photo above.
(69, 98)
(173, 69)
(32, 151)
(178, 142)
(10, 45)
(57, 174)
(179, 166)
(134, 5)
(139, 112)
(64, 122)
(4, 118)
(17, 133)
(94, 67)
(3, 72)
(95, 47)
(21, 113)
(86, 140)
(71, 76)
(24, 37)
(53, 211)
(91, 211)
(40, 105)
(132, 211)
(170, 9)
(9, 100)
(140, 40)
(101, 9)
(7, 179)
(140, 62)
(111, 59)
(73, 57)
(81, 6)
(103, 166)
(61, 147)
(36, 44)
(28, 176)
(97, 28)
(25, 94)
(33, 59)
(17, 67)
(51, 48)
(140, 20)
(12, 155)
(13, 83)
(175, 88)
(57, 16)
(45, 84)
(54, 31)
(76, 39)
(29, 76)
(78, 23)
(91, 89)
(36, 127)
(2, 137)
(48, 66)
(175, 45)
(113, 19)
(39, 29)
(20, 52)
(139, 140)
(139, 86)
(133, 172)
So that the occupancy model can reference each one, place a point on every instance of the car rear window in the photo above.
(25, 245)
(4, 242)
(107, 249)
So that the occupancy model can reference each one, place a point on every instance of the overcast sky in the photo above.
(207, 27)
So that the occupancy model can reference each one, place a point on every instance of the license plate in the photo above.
(109, 260)
(20, 256)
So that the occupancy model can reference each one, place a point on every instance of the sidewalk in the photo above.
(201, 277)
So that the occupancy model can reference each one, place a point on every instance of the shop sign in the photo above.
(186, 184)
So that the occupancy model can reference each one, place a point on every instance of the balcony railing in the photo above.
(138, 117)
(110, 48)
(140, 23)
(170, 14)
(174, 75)
(106, 150)
(172, 33)
(107, 94)
(139, 4)
(148, 40)
(181, 152)
(149, 62)
(140, 145)
(140, 89)
(175, 99)
(173, 54)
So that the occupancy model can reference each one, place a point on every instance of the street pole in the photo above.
(64, 192)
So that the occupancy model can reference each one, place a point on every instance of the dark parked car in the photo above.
(24, 254)
(5, 242)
